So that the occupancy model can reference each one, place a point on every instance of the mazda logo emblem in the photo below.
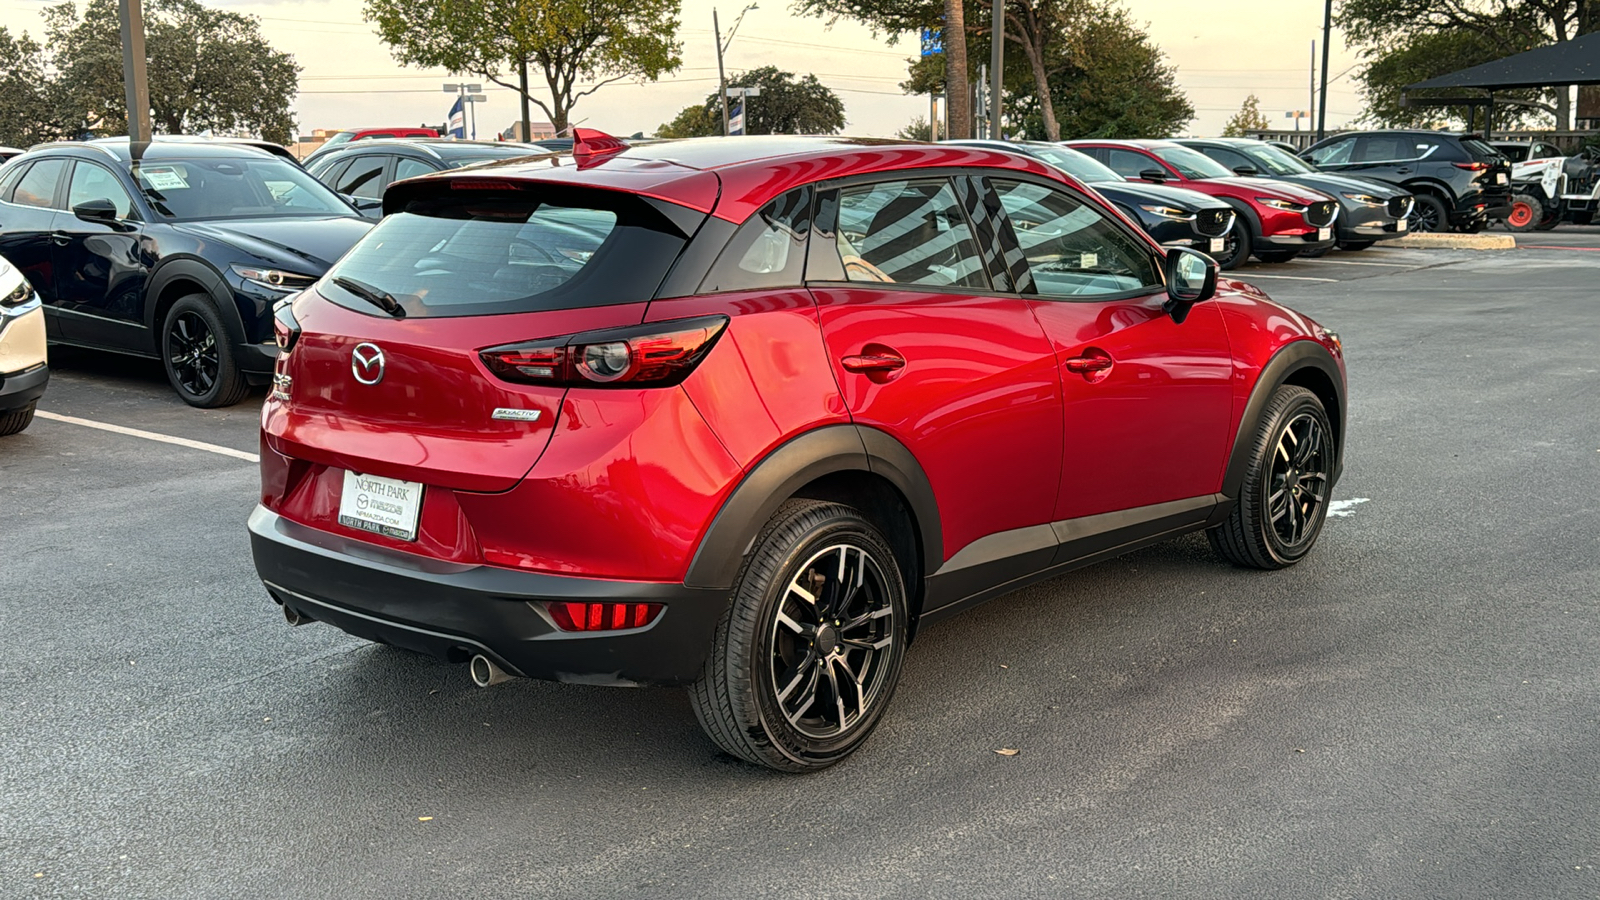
(366, 363)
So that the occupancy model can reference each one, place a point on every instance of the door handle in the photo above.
(875, 362)
(1083, 365)
(60, 238)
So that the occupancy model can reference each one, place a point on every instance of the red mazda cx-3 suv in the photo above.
(744, 414)
(1283, 219)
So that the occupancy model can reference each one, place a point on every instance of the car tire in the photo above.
(1526, 213)
(198, 356)
(1277, 256)
(1355, 246)
(13, 421)
(1284, 499)
(1238, 241)
(776, 658)
(1428, 214)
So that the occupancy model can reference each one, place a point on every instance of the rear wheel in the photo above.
(1427, 215)
(1277, 256)
(1284, 499)
(1235, 246)
(15, 420)
(808, 654)
(1526, 213)
(198, 356)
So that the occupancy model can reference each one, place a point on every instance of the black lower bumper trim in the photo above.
(454, 611)
(22, 388)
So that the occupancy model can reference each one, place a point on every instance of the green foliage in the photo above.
(1247, 120)
(1421, 57)
(571, 43)
(207, 69)
(787, 105)
(916, 130)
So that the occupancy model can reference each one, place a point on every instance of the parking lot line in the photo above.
(1287, 277)
(1351, 262)
(150, 436)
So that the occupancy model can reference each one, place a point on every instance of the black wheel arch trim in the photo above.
(796, 463)
(209, 279)
(1295, 357)
(1243, 210)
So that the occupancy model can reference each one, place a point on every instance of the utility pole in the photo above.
(527, 126)
(1322, 107)
(997, 58)
(722, 77)
(1313, 103)
(135, 84)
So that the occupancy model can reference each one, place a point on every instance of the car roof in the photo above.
(441, 148)
(1132, 145)
(121, 150)
(736, 176)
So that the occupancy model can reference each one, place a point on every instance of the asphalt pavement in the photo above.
(1411, 712)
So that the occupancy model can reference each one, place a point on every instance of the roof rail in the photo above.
(47, 145)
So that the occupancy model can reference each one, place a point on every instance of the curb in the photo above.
(1456, 242)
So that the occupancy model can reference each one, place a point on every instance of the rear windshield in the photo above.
(1481, 151)
(509, 253)
(1514, 152)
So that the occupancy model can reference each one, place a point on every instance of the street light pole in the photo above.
(997, 58)
(135, 84)
(1322, 101)
(722, 78)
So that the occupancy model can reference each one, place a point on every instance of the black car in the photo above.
(1458, 179)
(1175, 217)
(1369, 211)
(171, 250)
(361, 171)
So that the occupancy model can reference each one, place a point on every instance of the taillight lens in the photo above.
(285, 328)
(603, 616)
(1474, 166)
(660, 354)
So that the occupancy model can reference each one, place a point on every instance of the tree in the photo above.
(892, 18)
(786, 105)
(208, 69)
(572, 42)
(916, 130)
(1247, 119)
(1402, 37)
(31, 107)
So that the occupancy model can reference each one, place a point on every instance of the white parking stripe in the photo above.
(1351, 262)
(150, 436)
(1286, 277)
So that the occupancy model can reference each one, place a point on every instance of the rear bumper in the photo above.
(19, 389)
(257, 359)
(454, 611)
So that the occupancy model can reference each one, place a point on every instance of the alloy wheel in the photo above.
(192, 352)
(1297, 487)
(1424, 218)
(831, 644)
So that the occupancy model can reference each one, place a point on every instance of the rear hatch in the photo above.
(404, 394)
(1492, 168)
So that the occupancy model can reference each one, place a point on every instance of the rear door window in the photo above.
(38, 185)
(364, 178)
(522, 251)
(405, 167)
(907, 232)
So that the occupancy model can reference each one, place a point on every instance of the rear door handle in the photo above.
(1083, 365)
(877, 362)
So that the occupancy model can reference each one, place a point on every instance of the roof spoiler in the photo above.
(591, 147)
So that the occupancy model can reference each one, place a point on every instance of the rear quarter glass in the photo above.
(1480, 151)
(491, 252)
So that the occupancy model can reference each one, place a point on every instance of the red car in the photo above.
(1284, 219)
(744, 415)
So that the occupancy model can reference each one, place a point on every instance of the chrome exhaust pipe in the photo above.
(485, 672)
(295, 617)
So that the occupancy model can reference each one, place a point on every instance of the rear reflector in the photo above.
(603, 616)
(481, 184)
(661, 354)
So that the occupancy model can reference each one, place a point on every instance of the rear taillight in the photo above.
(1474, 166)
(285, 328)
(660, 354)
(603, 616)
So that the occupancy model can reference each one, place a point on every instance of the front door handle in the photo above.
(1083, 365)
(60, 238)
(873, 362)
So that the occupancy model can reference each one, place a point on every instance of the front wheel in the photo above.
(198, 356)
(1284, 499)
(1427, 215)
(808, 654)
(1235, 247)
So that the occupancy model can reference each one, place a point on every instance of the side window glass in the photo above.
(10, 180)
(768, 250)
(327, 170)
(1336, 154)
(907, 232)
(1230, 158)
(1129, 164)
(92, 182)
(409, 168)
(1072, 250)
(363, 179)
(38, 185)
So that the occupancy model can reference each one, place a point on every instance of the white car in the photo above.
(24, 369)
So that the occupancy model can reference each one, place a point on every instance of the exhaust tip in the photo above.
(485, 672)
(295, 617)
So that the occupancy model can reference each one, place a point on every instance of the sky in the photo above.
(1233, 49)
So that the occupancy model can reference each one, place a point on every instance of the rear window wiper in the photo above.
(378, 297)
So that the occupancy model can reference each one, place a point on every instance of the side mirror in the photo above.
(97, 210)
(1191, 279)
(1156, 175)
(1246, 170)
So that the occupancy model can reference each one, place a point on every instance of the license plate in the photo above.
(385, 506)
(1400, 225)
(1218, 244)
(1500, 178)
(1324, 234)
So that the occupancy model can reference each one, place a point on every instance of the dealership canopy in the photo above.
(1565, 62)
